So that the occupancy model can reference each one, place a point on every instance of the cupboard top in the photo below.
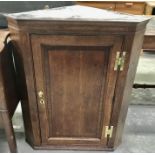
(77, 13)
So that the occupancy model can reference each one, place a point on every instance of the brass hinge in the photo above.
(120, 60)
(108, 131)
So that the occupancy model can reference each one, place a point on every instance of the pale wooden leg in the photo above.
(9, 132)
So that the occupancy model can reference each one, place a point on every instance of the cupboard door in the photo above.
(75, 82)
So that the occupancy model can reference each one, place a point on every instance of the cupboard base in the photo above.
(64, 147)
(79, 148)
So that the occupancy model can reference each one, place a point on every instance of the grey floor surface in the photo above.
(146, 68)
(139, 131)
(138, 136)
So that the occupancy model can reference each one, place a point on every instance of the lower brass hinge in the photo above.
(108, 131)
(120, 60)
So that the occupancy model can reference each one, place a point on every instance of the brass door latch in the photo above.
(41, 97)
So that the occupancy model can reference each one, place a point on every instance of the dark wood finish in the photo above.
(149, 38)
(124, 85)
(70, 57)
(75, 71)
(9, 80)
(149, 43)
(8, 89)
(136, 85)
(9, 131)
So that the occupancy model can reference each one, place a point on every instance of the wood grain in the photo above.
(71, 60)
(73, 78)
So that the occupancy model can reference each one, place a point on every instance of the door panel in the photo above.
(77, 78)
(75, 87)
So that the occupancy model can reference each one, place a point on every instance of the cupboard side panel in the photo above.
(24, 66)
(135, 53)
(132, 45)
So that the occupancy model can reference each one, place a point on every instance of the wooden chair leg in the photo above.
(9, 132)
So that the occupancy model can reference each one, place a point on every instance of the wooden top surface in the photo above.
(77, 13)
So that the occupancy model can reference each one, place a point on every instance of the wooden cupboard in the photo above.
(77, 71)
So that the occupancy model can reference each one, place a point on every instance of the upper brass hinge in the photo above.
(108, 131)
(120, 60)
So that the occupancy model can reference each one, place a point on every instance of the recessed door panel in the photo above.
(76, 78)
